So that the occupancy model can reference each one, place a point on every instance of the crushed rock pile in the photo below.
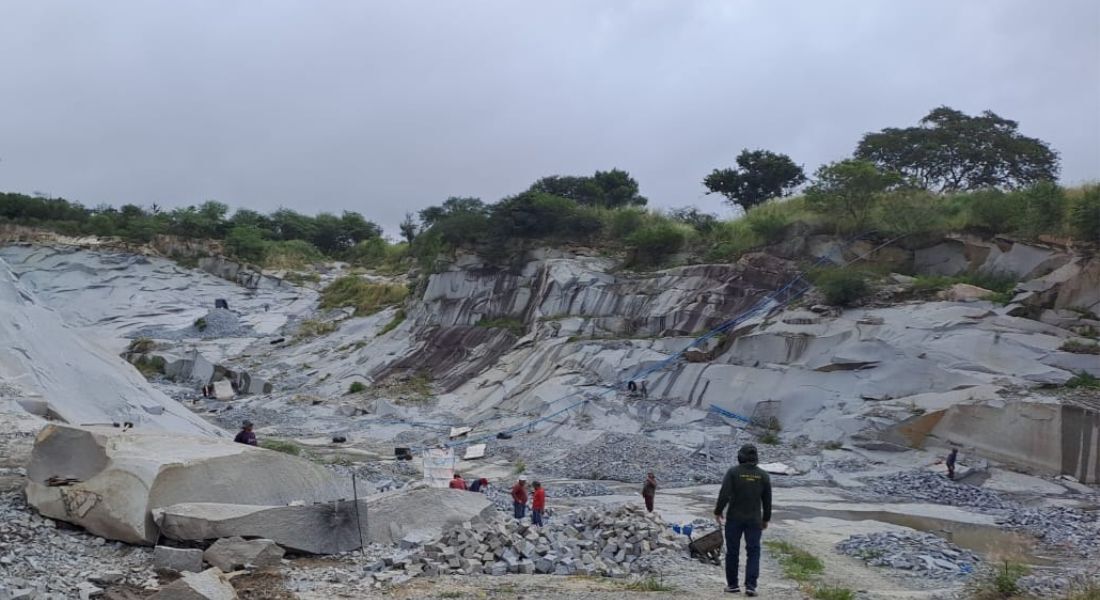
(935, 488)
(623, 457)
(218, 323)
(587, 541)
(39, 561)
(920, 553)
(1068, 528)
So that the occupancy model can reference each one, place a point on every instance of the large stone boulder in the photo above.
(211, 584)
(330, 527)
(230, 554)
(108, 480)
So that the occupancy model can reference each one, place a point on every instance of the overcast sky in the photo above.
(389, 107)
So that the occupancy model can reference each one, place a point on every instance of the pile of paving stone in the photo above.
(919, 553)
(936, 488)
(589, 541)
(39, 561)
(1068, 528)
(624, 457)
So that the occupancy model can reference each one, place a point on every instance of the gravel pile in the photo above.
(1058, 586)
(932, 487)
(922, 554)
(1068, 528)
(39, 561)
(622, 457)
(589, 541)
(218, 323)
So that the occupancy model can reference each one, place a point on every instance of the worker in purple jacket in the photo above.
(245, 435)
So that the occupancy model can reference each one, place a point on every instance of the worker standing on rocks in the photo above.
(746, 500)
(538, 504)
(951, 458)
(649, 490)
(245, 435)
(458, 483)
(519, 497)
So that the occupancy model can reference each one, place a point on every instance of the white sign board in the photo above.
(439, 466)
(474, 451)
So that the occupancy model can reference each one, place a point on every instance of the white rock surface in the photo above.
(122, 476)
(210, 584)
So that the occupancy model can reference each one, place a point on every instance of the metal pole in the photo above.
(358, 523)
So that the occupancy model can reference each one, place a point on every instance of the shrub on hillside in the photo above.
(656, 243)
(1084, 215)
(842, 286)
(625, 221)
(994, 211)
(291, 254)
(1044, 208)
(911, 212)
(367, 297)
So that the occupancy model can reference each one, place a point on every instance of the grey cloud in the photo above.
(389, 107)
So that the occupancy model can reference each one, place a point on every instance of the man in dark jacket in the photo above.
(649, 490)
(245, 435)
(746, 501)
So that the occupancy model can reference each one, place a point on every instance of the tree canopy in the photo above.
(759, 176)
(607, 189)
(850, 187)
(949, 151)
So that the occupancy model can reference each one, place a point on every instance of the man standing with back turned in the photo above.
(747, 492)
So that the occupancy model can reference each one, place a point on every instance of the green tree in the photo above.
(951, 151)
(409, 228)
(850, 187)
(451, 207)
(607, 189)
(247, 242)
(760, 175)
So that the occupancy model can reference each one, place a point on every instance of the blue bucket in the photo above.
(676, 528)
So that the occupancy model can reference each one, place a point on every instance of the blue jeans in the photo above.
(752, 532)
(519, 508)
(536, 517)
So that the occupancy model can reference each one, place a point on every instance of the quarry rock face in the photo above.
(109, 481)
(72, 378)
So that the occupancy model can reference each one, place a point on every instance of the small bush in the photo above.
(1044, 208)
(995, 211)
(624, 222)
(398, 318)
(513, 325)
(999, 583)
(834, 593)
(770, 438)
(833, 445)
(1084, 215)
(911, 213)
(1080, 347)
(769, 226)
(367, 297)
(648, 584)
(150, 366)
(841, 286)
(797, 564)
(655, 244)
(282, 446)
(357, 387)
(731, 239)
(1084, 380)
(311, 328)
(521, 466)
(200, 324)
(291, 254)
(141, 345)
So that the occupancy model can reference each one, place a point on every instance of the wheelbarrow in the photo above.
(708, 548)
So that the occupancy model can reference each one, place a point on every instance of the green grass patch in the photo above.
(649, 584)
(770, 438)
(291, 254)
(367, 297)
(150, 366)
(311, 328)
(520, 467)
(283, 446)
(513, 325)
(1080, 347)
(1084, 380)
(200, 324)
(299, 278)
(833, 593)
(141, 345)
(797, 564)
(398, 318)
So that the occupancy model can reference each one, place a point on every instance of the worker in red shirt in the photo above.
(538, 503)
(519, 497)
(457, 483)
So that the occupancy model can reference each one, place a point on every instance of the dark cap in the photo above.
(748, 454)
